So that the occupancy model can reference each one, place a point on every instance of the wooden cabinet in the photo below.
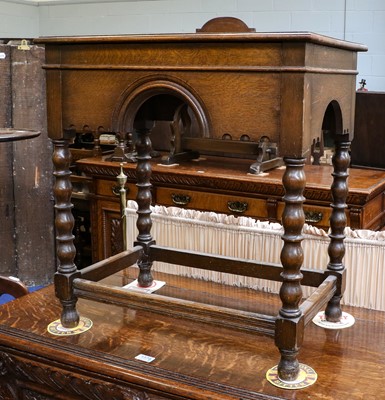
(210, 185)
(369, 126)
(213, 91)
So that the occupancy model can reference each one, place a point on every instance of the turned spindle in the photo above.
(290, 324)
(64, 224)
(336, 248)
(143, 198)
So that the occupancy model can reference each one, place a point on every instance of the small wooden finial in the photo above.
(225, 25)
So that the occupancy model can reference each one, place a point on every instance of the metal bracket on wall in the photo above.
(23, 46)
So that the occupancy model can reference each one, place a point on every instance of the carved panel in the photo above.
(116, 236)
(76, 386)
(7, 392)
(112, 232)
(32, 395)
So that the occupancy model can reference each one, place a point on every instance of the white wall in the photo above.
(18, 20)
(164, 16)
(365, 23)
(361, 21)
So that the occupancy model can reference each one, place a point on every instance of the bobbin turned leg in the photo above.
(336, 249)
(290, 322)
(143, 198)
(64, 224)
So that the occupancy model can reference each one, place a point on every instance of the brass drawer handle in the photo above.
(180, 199)
(237, 206)
(116, 190)
(312, 217)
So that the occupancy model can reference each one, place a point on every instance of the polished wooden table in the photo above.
(191, 360)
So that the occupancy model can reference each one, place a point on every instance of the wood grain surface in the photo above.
(195, 360)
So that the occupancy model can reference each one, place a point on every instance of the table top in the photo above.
(197, 360)
(11, 135)
(229, 174)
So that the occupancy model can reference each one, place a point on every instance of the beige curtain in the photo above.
(247, 238)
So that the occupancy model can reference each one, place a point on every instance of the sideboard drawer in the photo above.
(221, 203)
(238, 205)
(227, 204)
(317, 215)
(106, 187)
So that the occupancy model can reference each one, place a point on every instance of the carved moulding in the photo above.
(41, 380)
(188, 180)
(250, 186)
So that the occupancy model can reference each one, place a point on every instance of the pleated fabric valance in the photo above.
(248, 238)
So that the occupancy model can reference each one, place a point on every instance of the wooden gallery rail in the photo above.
(287, 326)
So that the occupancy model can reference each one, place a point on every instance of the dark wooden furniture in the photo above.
(9, 285)
(228, 188)
(25, 169)
(192, 360)
(292, 87)
(369, 126)
(87, 143)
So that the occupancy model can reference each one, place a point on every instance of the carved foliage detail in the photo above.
(116, 236)
(70, 383)
(247, 186)
(29, 395)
